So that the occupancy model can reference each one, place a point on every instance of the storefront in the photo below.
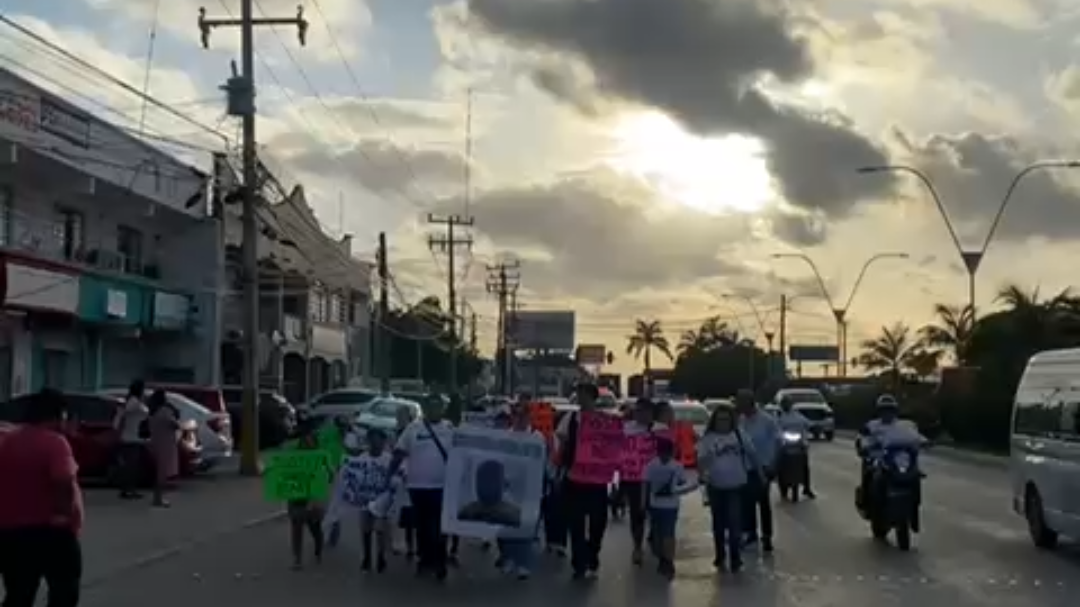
(114, 314)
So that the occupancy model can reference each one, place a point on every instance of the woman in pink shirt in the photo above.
(39, 531)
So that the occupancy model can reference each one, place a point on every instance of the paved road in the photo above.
(974, 552)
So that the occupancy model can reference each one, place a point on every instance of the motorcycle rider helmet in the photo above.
(887, 402)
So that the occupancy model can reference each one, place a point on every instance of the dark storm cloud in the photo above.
(596, 245)
(700, 61)
(972, 173)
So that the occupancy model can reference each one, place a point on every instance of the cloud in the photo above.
(972, 173)
(702, 63)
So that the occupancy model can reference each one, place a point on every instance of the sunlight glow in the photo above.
(710, 175)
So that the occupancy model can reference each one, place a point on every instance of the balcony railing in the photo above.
(66, 239)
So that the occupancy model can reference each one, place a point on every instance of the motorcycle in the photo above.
(791, 468)
(892, 503)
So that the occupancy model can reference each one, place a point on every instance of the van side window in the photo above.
(1038, 413)
(1070, 419)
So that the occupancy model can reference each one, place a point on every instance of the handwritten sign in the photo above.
(599, 452)
(296, 475)
(640, 450)
(685, 444)
(542, 418)
(363, 479)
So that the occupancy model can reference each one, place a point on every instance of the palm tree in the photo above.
(647, 335)
(893, 351)
(952, 331)
(712, 333)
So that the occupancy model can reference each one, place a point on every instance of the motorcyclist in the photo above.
(885, 431)
(791, 420)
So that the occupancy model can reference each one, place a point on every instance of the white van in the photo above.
(1045, 446)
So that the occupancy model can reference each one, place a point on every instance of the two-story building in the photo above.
(111, 262)
(315, 297)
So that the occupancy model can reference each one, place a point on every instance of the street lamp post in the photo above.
(840, 312)
(972, 258)
(758, 316)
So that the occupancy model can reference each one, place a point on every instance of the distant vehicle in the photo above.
(822, 422)
(213, 430)
(346, 402)
(800, 396)
(773, 410)
(713, 403)
(1045, 446)
(693, 413)
(382, 413)
(277, 416)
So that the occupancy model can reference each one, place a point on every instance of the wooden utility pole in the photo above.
(448, 244)
(783, 334)
(241, 103)
(382, 334)
(503, 281)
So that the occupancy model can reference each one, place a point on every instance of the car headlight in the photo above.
(791, 437)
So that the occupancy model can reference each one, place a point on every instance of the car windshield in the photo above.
(344, 398)
(805, 396)
(693, 415)
(385, 408)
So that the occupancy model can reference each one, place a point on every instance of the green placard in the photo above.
(296, 474)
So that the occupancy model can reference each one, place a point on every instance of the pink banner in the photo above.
(640, 450)
(600, 443)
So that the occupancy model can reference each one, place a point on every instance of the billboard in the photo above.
(822, 354)
(591, 354)
(543, 330)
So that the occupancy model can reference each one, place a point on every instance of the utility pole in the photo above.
(241, 102)
(783, 335)
(382, 334)
(448, 244)
(503, 281)
(511, 329)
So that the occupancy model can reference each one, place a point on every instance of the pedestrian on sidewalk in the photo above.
(586, 504)
(423, 448)
(132, 423)
(726, 460)
(164, 443)
(41, 513)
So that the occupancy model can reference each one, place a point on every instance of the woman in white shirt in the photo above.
(726, 459)
(129, 422)
(424, 446)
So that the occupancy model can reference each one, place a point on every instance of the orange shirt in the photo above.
(34, 463)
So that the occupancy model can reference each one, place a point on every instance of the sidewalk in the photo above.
(122, 535)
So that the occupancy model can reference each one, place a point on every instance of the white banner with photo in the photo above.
(494, 483)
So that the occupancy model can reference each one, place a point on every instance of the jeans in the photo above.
(586, 508)
(633, 490)
(430, 541)
(757, 499)
(29, 555)
(726, 507)
(517, 552)
(555, 533)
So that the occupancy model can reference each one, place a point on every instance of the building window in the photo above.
(7, 204)
(317, 305)
(337, 310)
(71, 228)
(129, 243)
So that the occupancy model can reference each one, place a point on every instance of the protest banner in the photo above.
(685, 444)
(296, 474)
(599, 452)
(482, 419)
(363, 479)
(494, 483)
(640, 449)
(542, 418)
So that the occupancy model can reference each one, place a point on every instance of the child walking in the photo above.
(370, 473)
(666, 482)
(306, 514)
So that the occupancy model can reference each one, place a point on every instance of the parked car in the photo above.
(382, 413)
(213, 430)
(345, 402)
(93, 438)
(207, 396)
(277, 416)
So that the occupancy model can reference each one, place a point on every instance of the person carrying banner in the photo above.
(423, 447)
(366, 477)
(585, 503)
(306, 514)
(641, 423)
(517, 553)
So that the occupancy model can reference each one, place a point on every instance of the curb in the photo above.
(177, 549)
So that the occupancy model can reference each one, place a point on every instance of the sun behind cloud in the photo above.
(716, 176)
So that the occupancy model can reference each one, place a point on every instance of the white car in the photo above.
(693, 413)
(382, 413)
(346, 402)
(213, 430)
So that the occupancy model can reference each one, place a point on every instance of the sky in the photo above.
(642, 158)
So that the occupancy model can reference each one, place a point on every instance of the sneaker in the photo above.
(560, 551)
(507, 568)
(523, 573)
(592, 574)
(810, 495)
(578, 574)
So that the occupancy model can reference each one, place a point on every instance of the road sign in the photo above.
(813, 353)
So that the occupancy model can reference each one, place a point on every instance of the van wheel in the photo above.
(1043, 536)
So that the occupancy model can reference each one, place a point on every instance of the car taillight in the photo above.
(219, 425)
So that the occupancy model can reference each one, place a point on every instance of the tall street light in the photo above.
(758, 316)
(972, 258)
(840, 312)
